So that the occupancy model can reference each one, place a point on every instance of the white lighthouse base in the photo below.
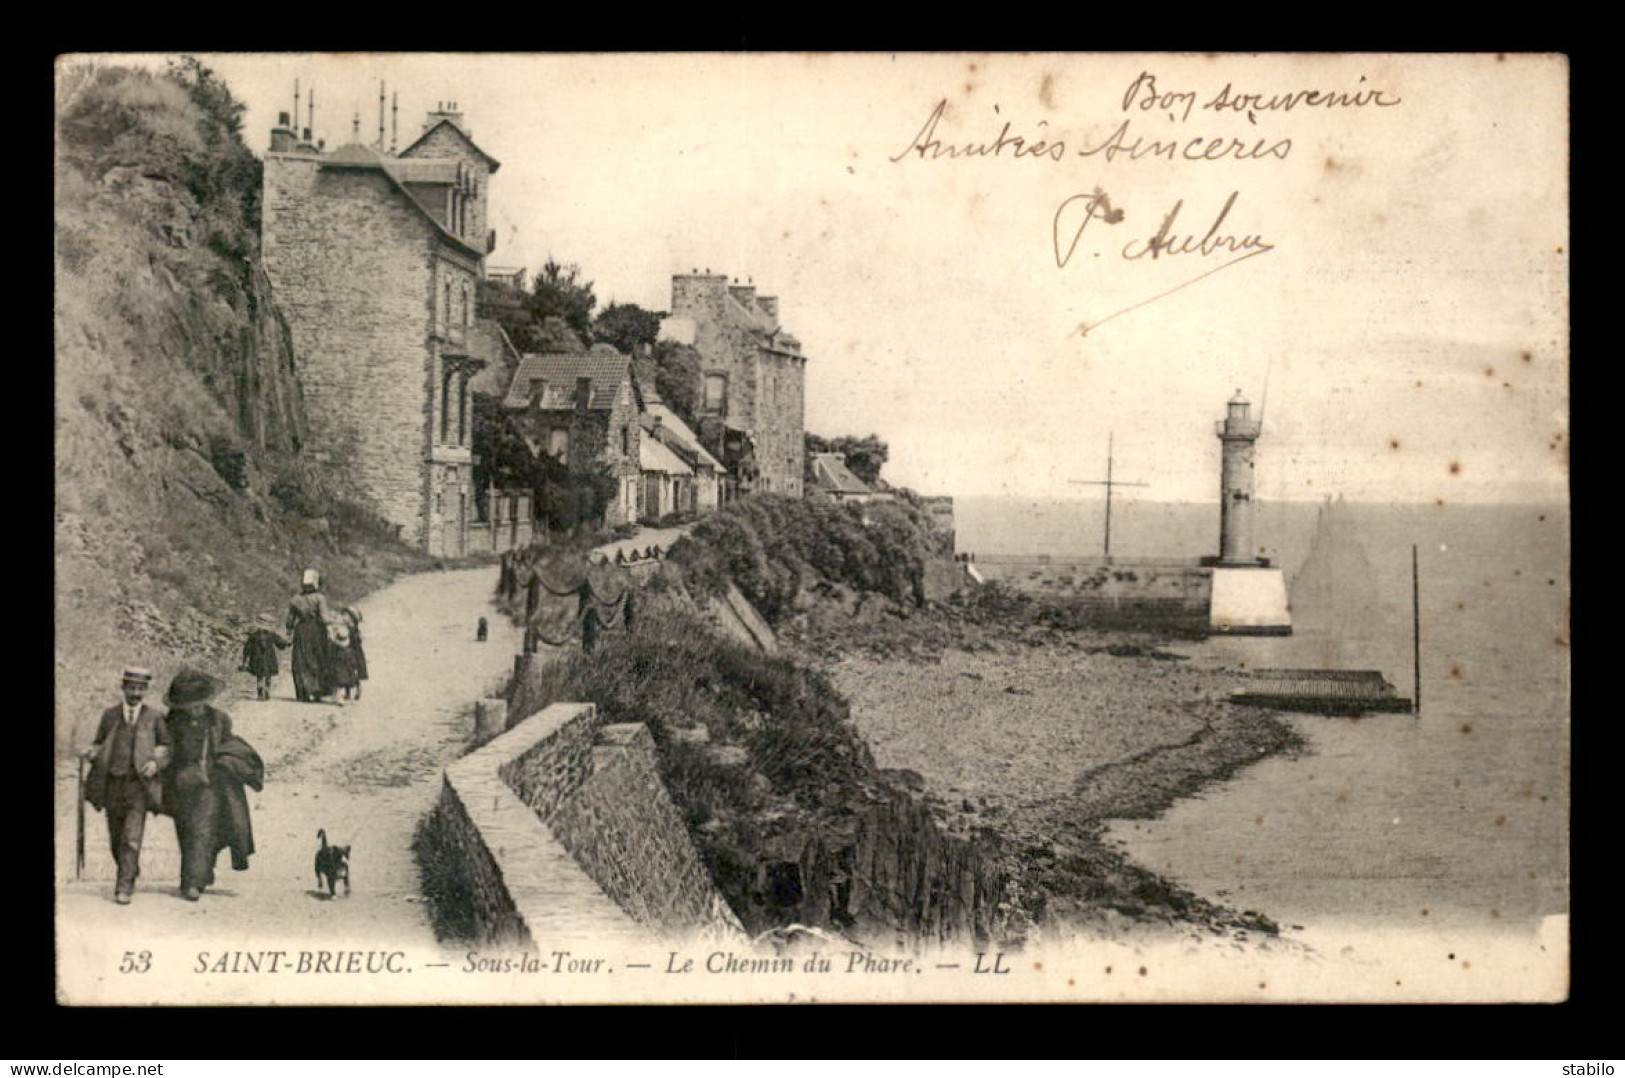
(1250, 602)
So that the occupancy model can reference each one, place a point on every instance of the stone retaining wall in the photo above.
(1130, 593)
(561, 829)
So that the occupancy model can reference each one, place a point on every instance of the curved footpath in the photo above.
(366, 772)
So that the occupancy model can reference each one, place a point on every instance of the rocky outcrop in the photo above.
(183, 507)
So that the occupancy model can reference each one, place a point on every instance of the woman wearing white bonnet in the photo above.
(308, 615)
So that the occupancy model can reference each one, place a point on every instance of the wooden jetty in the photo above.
(1321, 692)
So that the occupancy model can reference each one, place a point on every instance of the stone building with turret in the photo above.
(374, 255)
(752, 414)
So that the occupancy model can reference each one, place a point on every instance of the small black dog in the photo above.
(480, 632)
(332, 865)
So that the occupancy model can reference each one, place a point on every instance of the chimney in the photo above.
(745, 294)
(447, 111)
(282, 135)
(690, 291)
(769, 305)
(583, 394)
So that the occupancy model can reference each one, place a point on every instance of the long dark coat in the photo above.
(226, 764)
(308, 615)
(259, 653)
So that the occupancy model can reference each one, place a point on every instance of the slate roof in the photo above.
(655, 457)
(607, 368)
(831, 475)
(676, 435)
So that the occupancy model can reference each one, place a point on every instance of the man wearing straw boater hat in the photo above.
(204, 787)
(132, 747)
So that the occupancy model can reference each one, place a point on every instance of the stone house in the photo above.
(374, 257)
(679, 474)
(583, 409)
(833, 481)
(667, 478)
(753, 381)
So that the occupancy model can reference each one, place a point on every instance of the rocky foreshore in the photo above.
(1045, 742)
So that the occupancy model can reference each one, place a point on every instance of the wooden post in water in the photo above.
(1416, 637)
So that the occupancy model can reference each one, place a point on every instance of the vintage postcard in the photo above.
(775, 527)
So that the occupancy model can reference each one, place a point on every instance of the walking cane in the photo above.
(79, 842)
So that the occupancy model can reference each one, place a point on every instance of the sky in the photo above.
(1401, 316)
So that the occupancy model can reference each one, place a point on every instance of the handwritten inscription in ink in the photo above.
(1074, 214)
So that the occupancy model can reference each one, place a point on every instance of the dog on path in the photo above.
(332, 866)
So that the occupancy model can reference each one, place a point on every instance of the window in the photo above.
(626, 441)
(716, 394)
(465, 304)
(445, 395)
(445, 318)
(558, 443)
(462, 408)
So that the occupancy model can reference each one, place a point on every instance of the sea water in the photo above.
(1455, 820)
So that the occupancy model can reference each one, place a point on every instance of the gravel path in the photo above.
(365, 772)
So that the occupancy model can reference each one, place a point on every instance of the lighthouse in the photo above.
(1237, 433)
(1249, 595)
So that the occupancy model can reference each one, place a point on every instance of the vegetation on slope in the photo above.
(184, 501)
(786, 806)
(774, 547)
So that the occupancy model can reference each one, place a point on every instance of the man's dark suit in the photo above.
(117, 786)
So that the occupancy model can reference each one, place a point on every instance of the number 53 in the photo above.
(136, 962)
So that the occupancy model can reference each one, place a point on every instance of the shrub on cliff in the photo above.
(771, 546)
(751, 745)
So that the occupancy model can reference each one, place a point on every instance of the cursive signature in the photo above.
(1163, 243)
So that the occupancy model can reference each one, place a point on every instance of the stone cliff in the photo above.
(183, 507)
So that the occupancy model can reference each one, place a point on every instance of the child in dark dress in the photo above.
(259, 655)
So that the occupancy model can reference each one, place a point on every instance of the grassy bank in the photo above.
(186, 503)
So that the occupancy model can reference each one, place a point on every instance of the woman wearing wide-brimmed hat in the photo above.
(308, 618)
(203, 786)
